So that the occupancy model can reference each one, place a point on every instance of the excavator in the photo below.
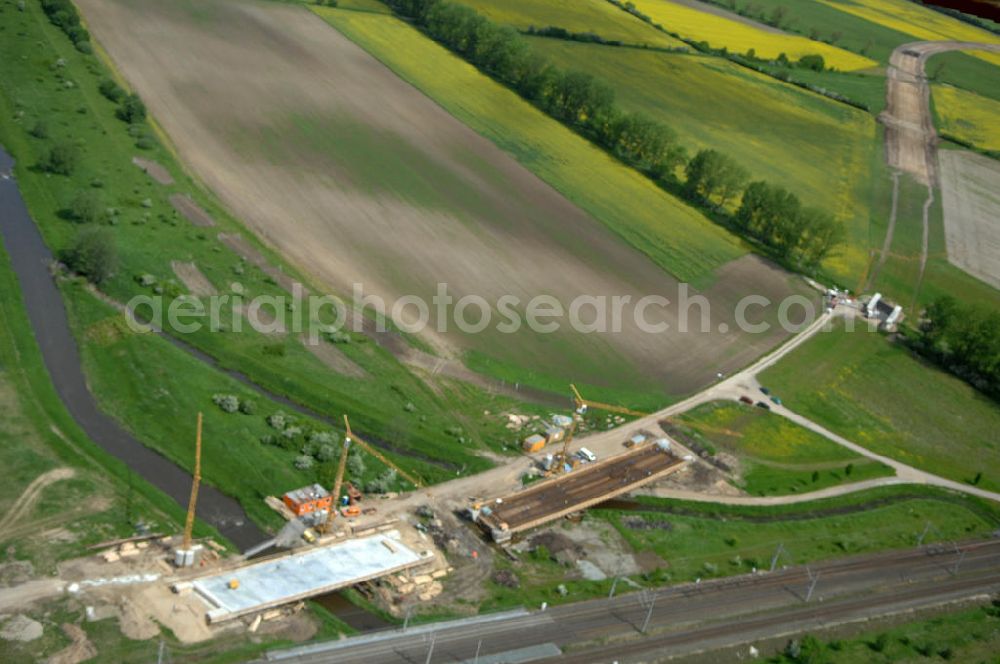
(353, 495)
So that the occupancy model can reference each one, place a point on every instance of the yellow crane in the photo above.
(353, 437)
(560, 459)
(338, 482)
(195, 482)
(583, 404)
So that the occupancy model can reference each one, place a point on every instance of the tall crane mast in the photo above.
(195, 482)
(339, 480)
(582, 405)
(353, 437)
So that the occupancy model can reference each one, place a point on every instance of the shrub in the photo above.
(132, 109)
(814, 62)
(326, 452)
(87, 207)
(60, 159)
(93, 255)
(277, 420)
(229, 403)
(304, 462)
(248, 407)
(40, 130)
(111, 90)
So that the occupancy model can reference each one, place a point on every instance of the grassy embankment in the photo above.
(817, 148)
(55, 87)
(880, 396)
(777, 457)
(101, 501)
(966, 635)
(701, 540)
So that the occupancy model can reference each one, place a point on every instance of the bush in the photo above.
(277, 420)
(132, 109)
(814, 62)
(40, 130)
(326, 453)
(60, 159)
(304, 462)
(248, 407)
(229, 403)
(111, 90)
(93, 255)
(87, 207)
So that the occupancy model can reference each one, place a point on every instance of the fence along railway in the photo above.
(588, 486)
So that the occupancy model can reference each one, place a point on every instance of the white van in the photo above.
(587, 455)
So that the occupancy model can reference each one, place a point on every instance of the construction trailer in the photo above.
(533, 443)
(312, 499)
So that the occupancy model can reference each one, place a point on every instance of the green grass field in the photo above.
(820, 149)
(724, 541)
(594, 16)
(674, 235)
(963, 635)
(57, 85)
(702, 540)
(880, 396)
(777, 456)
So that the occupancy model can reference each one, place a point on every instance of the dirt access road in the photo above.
(911, 147)
(910, 138)
(505, 479)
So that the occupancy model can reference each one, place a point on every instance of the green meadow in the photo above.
(776, 456)
(879, 395)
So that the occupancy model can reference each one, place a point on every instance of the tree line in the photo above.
(965, 339)
(800, 235)
(64, 16)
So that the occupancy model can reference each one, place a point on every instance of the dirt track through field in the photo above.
(21, 506)
(356, 177)
(911, 147)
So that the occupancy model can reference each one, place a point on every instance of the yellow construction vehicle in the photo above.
(561, 458)
(583, 404)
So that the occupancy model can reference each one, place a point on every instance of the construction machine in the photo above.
(353, 495)
(583, 404)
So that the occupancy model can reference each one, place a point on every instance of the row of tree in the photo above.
(63, 15)
(801, 235)
(966, 340)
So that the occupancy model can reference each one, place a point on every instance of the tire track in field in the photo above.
(889, 233)
(31, 493)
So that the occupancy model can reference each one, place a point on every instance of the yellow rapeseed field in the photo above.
(912, 19)
(674, 235)
(739, 37)
(597, 16)
(968, 116)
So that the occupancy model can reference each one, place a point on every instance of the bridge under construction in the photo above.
(582, 488)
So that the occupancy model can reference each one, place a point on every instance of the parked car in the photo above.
(747, 400)
(765, 390)
(764, 405)
(587, 455)
(776, 400)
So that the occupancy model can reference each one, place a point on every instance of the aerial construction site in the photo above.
(499, 330)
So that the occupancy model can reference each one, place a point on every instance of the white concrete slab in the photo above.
(316, 571)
